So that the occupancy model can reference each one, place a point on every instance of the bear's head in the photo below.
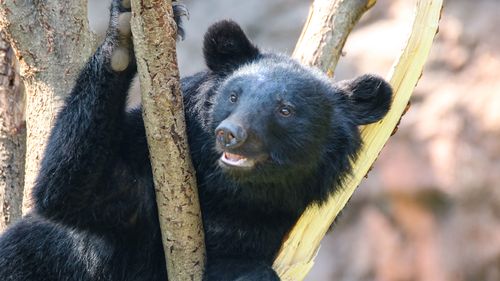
(280, 123)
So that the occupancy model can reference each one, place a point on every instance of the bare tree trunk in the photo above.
(154, 33)
(12, 137)
(52, 42)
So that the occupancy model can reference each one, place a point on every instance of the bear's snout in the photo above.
(230, 134)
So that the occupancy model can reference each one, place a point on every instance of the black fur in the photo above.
(226, 47)
(95, 214)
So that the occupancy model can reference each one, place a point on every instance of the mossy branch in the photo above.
(297, 254)
(154, 33)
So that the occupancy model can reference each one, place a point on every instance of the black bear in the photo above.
(268, 137)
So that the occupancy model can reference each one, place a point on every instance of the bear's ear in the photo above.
(226, 47)
(370, 96)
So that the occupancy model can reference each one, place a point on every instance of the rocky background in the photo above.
(430, 209)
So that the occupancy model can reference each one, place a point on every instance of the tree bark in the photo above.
(52, 42)
(12, 137)
(326, 30)
(154, 33)
(297, 254)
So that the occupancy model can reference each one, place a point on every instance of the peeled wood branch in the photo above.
(297, 254)
(154, 33)
(52, 42)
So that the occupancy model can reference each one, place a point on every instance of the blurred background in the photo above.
(430, 208)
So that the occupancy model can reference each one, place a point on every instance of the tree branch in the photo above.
(154, 33)
(326, 30)
(296, 257)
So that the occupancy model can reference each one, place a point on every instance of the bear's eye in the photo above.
(285, 111)
(233, 98)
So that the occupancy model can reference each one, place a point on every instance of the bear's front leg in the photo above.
(83, 145)
(239, 270)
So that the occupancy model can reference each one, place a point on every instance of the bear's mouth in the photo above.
(236, 160)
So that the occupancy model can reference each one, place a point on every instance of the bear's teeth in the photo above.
(233, 157)
(236, 160)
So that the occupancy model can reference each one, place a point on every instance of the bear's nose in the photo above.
(230, 134)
